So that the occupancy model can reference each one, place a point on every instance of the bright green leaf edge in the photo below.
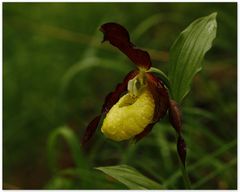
(187, 54)
(130, 177)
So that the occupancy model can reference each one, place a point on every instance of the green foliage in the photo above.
(87, 64)
(60, 183)
(130, 177)
(81, 175)
(187, 53)
(56, 72)
(203, 161)
(73, 144)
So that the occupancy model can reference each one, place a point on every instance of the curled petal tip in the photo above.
(116, 34)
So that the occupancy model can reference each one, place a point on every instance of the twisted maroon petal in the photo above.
(175, 118)
(110, 100)
(160, 96)
(119, 37)
(181, 148)
(175, 115)
(90, 130)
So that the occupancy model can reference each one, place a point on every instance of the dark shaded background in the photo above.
(44, 44)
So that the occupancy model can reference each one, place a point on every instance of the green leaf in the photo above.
(187, 53)
(130, 177)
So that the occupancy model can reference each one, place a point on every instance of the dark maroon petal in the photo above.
(90, 130)
(139, 57)
(114, 96)
(160, 96)
(116, 34)
(144, 133)
(175, 116)
(181, 148)
(119, 37)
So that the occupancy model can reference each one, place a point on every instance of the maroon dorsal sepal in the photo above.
(119, 37)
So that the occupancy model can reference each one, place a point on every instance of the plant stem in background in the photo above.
(186, 179)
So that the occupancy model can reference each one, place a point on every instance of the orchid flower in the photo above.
(139, 102)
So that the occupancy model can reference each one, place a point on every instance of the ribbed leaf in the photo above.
(130, 177)
(187, 53)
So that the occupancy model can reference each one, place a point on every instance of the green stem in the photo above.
(162, 76)
(186, 179)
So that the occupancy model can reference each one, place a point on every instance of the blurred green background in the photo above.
(56, 72)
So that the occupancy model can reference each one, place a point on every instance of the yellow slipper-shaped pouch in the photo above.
(129, 116)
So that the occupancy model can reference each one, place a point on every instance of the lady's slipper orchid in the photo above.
(140, 101)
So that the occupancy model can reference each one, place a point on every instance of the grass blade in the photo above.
(215, 173)
(73, 143)
(202, 161)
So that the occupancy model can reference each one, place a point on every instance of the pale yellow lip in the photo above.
(129, 116)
